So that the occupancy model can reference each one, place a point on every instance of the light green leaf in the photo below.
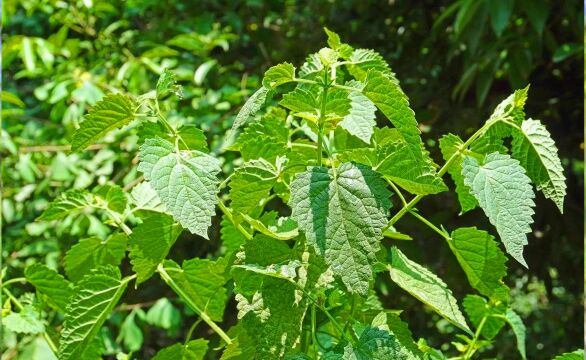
(51, 284)
(303, 99)
(150, 243)
(504, 193)
(575, 355)
(249, 109)
(311, 66)
(518, 327)
(449, 145)
(113, 111)
(95, 295)
(399, 329)
(27, 321)
(250, 184)
(335, 43)
(164, 314)
(278, 75)
(363, 60)
(477, 308)
(202, 283)
(280, 229)
(231, 237)
(66, 203)
(166, 84)
(193, 350)
(373, 343)
(360, 120)
(202, 71)
(342, 213)
(92, 252)
(185, 181)
(144, 197)
(266, 138)
(111, 196)
(130, 333)
(425, 286)
(537, 153)
(482, 261)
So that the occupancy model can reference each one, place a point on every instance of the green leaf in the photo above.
(500, 13)
(113, 111)
(231, 237)
(144, 197)
(185, 181)
(278, 75)
(267, 138)
(504, 193)
(342, 213)
(360, 120)
(150, 243)
(202, 283)
(111, 196)
(51, 284)
(130, 334)
(363, 60)
(311, 66)
(166, 84)
(249, 109)
(425, 286)
(399, 329)
(449, 145)
(482, 261)
(250, 184)
(193, 350)
(27, 321)
(303, 99)
(164, 315)
(335, 43)
(575, 355)
(280, 229)
(537, 153)
(518, 327)
(66, 203)
(92, 252)
(373, 343)
(94, 297)
(477, 308)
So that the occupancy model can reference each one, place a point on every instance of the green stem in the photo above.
(321, 119)
(470, 351)
(179, 291)
(191, 330)
(12, 281)
(230, 217)
(347, 88)
(305, 81)
(313, 334)
(430, 225)
(398, 191)
(442, 170)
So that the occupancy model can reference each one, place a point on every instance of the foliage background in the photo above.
(455, 61)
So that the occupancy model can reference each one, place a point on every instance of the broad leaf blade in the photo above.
(113, 111)
(518, 327)
(360, 120)
(425, 286)
(342, 214)
(94, 298)
(449, 145)
(504, 192)
(51, 284)
(279, 75)
(251, 184)
(93, 252)
(193, 350)
(187, 184)
(66, 203)
(538, 154)
(477, 308)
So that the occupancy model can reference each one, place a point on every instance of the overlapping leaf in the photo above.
(360, 120)
(477, 308)
(450, 144)
(504, 192)
(51, 284)
(278, 75)
(185, 181)
(192, 350)
(251, 184)
(93, 252)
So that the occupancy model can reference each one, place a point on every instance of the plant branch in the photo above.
(430, 225)
(230, 217)
(470, 350)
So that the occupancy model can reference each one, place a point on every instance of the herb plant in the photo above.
(303, 280)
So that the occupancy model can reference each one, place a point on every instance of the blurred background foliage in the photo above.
(455, 60)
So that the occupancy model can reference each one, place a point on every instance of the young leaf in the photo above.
(278, 75)
(477, 308)
(168, 84)
(94, 297)
(27, 321)
(363, 60)
(150, 243)
(113, 196)
(113, 111)
(250, 108)
(267, 138)
(92, 252)
(202, 284)
(449, 145)
(342, 213)
(303, 99)
(335, 43)
(537, 153)
(518, 327)
(504, 193)
(67, 202)
(425, 286)
(164, 314)
(251, 184)
(193, 350)
(482, 261)
(360, 120)
(51, 284)
(186, 184)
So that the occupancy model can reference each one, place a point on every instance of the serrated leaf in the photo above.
(342, 213)
(303, 99)
(512, 107)
(504, 193)
(518, 327)
(449, 145)
(130, 333)
(373, 343)
(311, 66)
(112, 196)
(425, 286)
(278, 75)
(363, 60)
(249, 109)
(202, 284)
(266, 138)
(166, 84)
(93, 252)
(538, 154)
(185, 181)
(51, 284)
(335, 43)
(575, 355)
(95, 295)
(360, 120)
(66, 203)
(193, 350)
(482, 261)
(281, 229)
(477, 308)
(231, 237)
(26, 321)
(144, 197)
(250, 184)
(150, 243)
(113, 111)
(399, 329)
